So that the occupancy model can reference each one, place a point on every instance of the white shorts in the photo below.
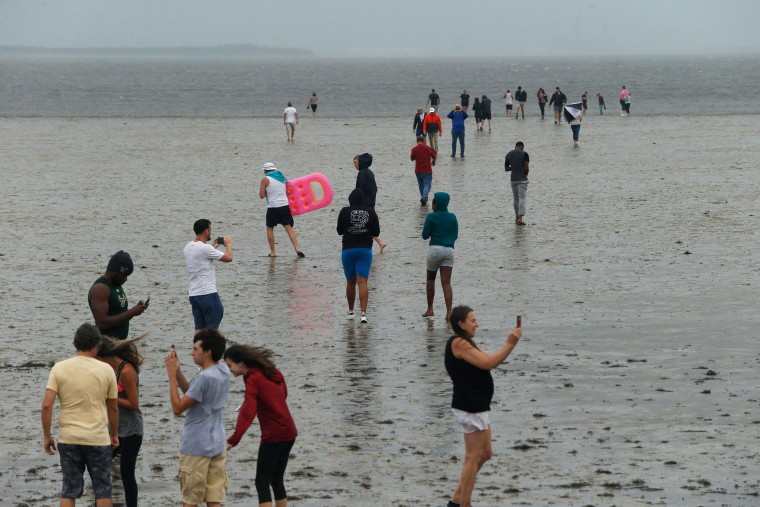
(470, 422)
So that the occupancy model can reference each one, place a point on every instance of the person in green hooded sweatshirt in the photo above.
(442, 228)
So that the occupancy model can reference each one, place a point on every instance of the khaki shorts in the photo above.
(202, 479)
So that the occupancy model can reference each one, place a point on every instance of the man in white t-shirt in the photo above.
(199, 256)
(290, 119)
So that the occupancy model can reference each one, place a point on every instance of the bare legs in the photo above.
(291, 234)
(380, 243)
(477, 451)
(100, 502)
(448, 294)
(351, 293)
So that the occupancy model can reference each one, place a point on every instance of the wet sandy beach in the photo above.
(637, 277)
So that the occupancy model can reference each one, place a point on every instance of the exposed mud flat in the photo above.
(637, 278)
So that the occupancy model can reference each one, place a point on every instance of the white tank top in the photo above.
(277, 195)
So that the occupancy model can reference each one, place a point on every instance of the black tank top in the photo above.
(473, 387)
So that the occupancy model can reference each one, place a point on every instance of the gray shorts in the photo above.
(75, 458)
(557, 108)
(290, 126)
(439, 256)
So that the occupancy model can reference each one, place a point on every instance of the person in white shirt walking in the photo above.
(290, 120)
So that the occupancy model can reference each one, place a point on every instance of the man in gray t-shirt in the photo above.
(517, 161)
(203, 444)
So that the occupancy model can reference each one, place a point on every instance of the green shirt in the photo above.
(117, 303)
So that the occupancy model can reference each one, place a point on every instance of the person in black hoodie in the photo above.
(485, 112)
(358, 224)
(365, 180)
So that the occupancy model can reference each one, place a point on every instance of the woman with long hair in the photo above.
(265, 394)
(125, 359)
(470, 372)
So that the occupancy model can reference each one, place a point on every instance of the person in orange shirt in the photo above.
(432, 127)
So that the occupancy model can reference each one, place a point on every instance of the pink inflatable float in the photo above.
(302, 197)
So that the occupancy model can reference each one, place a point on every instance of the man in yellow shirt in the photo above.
(89, 420)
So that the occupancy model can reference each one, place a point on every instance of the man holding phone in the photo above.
(199, 257)
(108, 301)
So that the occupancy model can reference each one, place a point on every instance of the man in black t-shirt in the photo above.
(433, 100)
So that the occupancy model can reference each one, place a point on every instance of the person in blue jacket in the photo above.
(457, 117)
(442, 228)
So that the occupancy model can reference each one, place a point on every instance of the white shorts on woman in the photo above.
(471, 422)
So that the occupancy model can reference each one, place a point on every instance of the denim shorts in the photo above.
(75, 458)
(356, 262)
(439, 256)
(207, 311)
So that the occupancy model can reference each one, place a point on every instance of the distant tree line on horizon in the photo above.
(224, 50)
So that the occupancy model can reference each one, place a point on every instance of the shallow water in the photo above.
(635, 382)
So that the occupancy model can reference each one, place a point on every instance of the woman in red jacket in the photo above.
(265, 393)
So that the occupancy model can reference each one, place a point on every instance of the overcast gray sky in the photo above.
(453, 28)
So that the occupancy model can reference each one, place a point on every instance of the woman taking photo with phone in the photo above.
(470, 372)
(265, 394)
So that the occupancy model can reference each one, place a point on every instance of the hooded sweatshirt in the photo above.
(265, 398)
(441, 226)
(365, 179)
(357, 223)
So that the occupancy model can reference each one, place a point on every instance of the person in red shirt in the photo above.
(265, 394)
(424, 160)
(433, 127)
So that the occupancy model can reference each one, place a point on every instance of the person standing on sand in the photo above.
(125, 360)
(365, 180)
(290, 120)
(313, 104)
(477, 109)
(602, 106)
(358, 224)
(273, 188)
(199, 257)
(508, 102)
(457, 117)
(419, 118)
(442, 228)
(265, 395)
(108, 301)
(424, 160)
(202, 456)
(485, 104)
(470, 371)
(575, 126)
(464, 99)
(86, 390)
(522, 97)
(625, 100)
(432, 127)
(542, 100)
(433, 100)
(558, 100)
(518, 162)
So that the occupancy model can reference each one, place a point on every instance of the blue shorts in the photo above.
(356, 262)
(75, 458)
(207, 311)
